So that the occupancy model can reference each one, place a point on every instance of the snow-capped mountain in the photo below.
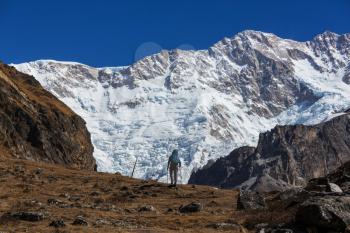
(206, 103)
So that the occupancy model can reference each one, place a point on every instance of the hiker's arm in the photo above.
(168, 164)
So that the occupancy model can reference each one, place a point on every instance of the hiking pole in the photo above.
(181, 175)
(167, 175)
(132, 174)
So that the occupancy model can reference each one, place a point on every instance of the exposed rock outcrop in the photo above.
(35, 125)
(286, 156)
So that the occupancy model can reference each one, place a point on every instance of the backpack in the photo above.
(174, 159)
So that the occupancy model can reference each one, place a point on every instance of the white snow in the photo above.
(182, 104)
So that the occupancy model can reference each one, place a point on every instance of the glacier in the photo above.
(205, 103)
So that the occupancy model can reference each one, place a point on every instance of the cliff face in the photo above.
(35, 125)
(285, 156)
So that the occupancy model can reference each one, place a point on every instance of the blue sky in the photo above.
(113, 33)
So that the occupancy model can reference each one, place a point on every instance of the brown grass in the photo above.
(23, 190)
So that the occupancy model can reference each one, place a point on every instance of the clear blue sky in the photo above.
(113, 33)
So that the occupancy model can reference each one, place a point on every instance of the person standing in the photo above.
(174, 164)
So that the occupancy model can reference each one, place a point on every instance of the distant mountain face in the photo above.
(203, 102)
(35, 125)
(285, 156)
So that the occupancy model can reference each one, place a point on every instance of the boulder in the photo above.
(334, 188)
(250, 200)
(326, 212)
(57, 223)
(28, 216)
(322, 184)
(80, 220)
(191, 208)
(291, 194)
(147, 208)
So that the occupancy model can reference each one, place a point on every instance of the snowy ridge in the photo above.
(206, 103)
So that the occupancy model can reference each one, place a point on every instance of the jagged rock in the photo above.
(80, 220)
(57, 223)
(286, 156)
(35, 125)
(191, 208)
(250, 200)
(28, 216)
(147, 208)
(291, 193)
(330, 213)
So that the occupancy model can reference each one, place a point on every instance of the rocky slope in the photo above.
(285, 156)
(35, 125)
(205, 102)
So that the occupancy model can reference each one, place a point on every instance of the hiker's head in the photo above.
(175, 152)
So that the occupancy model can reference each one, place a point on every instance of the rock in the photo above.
(250, 200)
(80, 220)
(53, 201)
(279, 230)
(334, 188)
(38, 171)
(36, 126)
(101, 222)
(74, 198)
(147, 208)
(95, 193)
(327, 212)
(57, 223)
(291, 193)
(322, 184)
(28, 216)
(225, 226)
(191, 208)
(52, 178)
(19, 169)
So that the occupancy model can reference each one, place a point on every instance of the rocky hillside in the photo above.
(41, 197)
(204, 102)
(285, 156)
(35, 125)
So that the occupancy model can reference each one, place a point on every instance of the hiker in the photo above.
(173, 166)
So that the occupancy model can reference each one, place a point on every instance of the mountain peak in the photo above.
(204, 102)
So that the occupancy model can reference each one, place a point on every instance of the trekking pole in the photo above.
(133, 170)
(181, 175)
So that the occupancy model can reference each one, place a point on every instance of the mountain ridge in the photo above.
(204, 102)
(285, 157)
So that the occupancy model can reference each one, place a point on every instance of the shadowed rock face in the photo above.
(285, 156)
(35, 125)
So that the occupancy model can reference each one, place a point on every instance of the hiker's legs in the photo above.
(171, 170)
(175, 175)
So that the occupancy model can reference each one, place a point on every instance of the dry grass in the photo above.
(116, 200)
(110, 202)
